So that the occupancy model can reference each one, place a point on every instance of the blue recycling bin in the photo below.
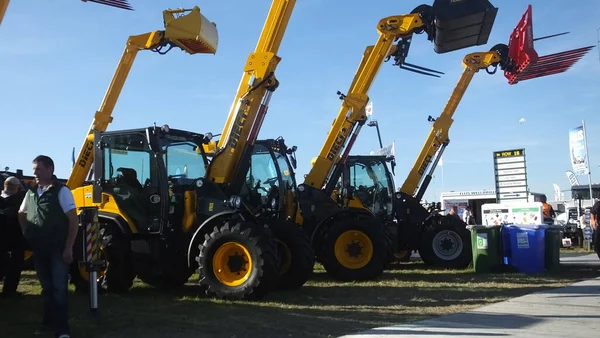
(506, 254)
(526, 248)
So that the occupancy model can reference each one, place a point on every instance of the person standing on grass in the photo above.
(49, 222)
(12, 243)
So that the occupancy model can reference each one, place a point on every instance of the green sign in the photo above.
(532, 209)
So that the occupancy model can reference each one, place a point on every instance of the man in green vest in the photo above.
(49, 222)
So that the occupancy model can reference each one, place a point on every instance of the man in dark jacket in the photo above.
(12, 242)
(49, 221)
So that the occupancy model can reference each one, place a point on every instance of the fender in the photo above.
(117, 219)
(322, 225)
(207, 221)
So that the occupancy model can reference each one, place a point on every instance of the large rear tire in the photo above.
(447, 245)
(120, 271)
(237, 261)
(296, 256)
(355, 249)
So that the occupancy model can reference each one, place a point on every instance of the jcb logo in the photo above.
(336, 147)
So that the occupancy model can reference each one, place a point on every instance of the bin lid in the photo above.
(528, 226)
(483, 226)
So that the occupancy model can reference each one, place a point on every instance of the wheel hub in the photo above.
(447, 245)
(354, 249)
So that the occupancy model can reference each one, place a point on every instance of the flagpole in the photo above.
(587, 156)
(442, 175)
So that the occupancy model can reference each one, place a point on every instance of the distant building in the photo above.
(474, 199)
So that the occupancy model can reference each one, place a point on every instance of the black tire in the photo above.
(120, 271)
(363, 225)
(447, 245)
(261, 248)
(296, 256)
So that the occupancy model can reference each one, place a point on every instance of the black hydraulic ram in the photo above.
(429, 175)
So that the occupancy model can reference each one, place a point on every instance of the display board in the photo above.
(510, 172)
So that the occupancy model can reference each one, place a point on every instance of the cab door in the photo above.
(131, 175)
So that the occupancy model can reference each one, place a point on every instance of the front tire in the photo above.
(237, 261)
(296, 256)
(447, 245)
(355, 248)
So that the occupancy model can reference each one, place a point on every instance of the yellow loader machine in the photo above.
(144, 223)
(256, 175)
(349, 240)
(441, 240)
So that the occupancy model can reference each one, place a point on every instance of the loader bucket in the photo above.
(462, 23)
(526, 64)
(192, 32)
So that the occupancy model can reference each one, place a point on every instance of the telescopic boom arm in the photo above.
(251, 101)
(426, 18)
(191, 32)
(518, 60)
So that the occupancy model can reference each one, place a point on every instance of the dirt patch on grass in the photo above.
(322, 308)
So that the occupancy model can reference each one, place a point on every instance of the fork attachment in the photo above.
(526, 64)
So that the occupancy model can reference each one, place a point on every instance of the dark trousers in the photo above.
(53, 274)
(11, 265)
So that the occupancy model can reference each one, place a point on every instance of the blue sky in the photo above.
(58, 57)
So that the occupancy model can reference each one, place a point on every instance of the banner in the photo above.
(387, 150)
(577, 149)
(572, 178)
(556, 192)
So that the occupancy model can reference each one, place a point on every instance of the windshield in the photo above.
(371, 183)
(182, 160)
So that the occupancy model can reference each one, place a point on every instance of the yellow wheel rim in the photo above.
(232, 264)
(353, 249)
(286, 257)
(86, 275)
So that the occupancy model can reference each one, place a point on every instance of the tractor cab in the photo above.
(270, 185)
(366, 182)
(151, 174)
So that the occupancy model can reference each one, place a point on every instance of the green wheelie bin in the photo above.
(487, 248)
(553, 242)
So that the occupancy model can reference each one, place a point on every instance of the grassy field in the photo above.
(323, 308)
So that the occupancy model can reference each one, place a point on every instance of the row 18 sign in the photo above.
(511, 176)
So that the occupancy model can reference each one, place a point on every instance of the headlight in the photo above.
(235, 201)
